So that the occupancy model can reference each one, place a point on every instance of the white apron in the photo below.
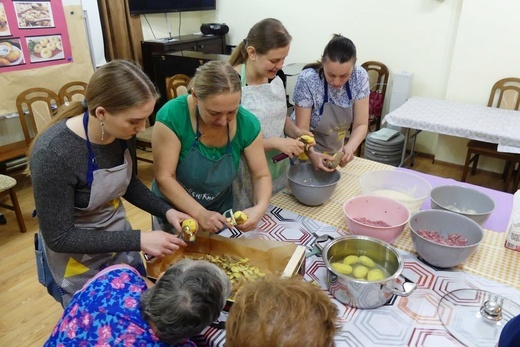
(268, 103)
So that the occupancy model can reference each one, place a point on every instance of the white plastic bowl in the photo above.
(409, 189)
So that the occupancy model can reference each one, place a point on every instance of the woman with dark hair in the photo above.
(197, 143)
(259, 59)
(119, 308)
(329, 97)
(81, 167)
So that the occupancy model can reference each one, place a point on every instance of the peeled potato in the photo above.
(46, 53)
(366, 261)
(59, 46)
(350, 259)
(51, 46)
(240, 217)
(342, 268)
(375, 275)
(360, 272)
(191, 224)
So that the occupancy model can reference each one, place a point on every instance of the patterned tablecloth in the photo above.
(471, 121)
(410, 321)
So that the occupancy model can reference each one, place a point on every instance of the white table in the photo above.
(475, 122)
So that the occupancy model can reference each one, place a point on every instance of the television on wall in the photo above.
(164, 6)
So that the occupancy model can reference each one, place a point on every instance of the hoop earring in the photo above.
(102, 130)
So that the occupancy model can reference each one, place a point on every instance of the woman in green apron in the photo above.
(81, 168)
(197, 143)
(329, 97)
(259, 60)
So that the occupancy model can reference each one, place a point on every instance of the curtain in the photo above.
(122, 33)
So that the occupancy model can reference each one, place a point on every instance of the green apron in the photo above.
(207, 180)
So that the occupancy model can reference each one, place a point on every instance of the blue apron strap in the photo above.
(92, 163)
(325, 94)
(349, 93)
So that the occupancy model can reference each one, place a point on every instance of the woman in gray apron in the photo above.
(81, 168)
(330, 96)
(259, 59)
(197, 143)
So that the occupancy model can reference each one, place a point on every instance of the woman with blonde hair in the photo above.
(197, 143)
(81, 168)
(281, 311)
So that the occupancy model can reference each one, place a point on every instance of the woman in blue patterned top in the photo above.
(116, 307)
(329, 97)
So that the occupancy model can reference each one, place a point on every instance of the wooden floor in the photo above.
(28, 313)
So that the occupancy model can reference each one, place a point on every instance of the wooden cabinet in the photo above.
(204, 44)
(168, 64)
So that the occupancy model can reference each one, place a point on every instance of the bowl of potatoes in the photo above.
(364, 272)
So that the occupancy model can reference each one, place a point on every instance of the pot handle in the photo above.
(407, 285)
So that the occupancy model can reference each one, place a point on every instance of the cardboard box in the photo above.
(271, 257)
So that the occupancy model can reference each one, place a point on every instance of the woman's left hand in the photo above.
(254, 215)
(175, 218)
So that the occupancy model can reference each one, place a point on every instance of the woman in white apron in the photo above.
(329, 97)
(81, 168)
(197, 143)
(259, 59)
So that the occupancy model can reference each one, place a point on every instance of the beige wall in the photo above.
(456, 49)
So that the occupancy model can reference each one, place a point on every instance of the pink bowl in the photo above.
(376, 208)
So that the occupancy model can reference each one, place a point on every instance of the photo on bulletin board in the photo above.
(11, 52)
(4, 24)
(45, 48)
(34, 14)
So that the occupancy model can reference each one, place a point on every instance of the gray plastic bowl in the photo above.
(310, 186)
(444, 222)
(468, 202)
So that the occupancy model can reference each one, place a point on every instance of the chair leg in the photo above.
(466, 167)
(506, 169)
(378, 123)
(17, 211)
(509, 175)
(475, 164)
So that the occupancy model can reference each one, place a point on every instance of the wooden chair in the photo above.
(35, 108)
(72, 91)
(7, 184)
(378, 76)
(176, 85)
(504, 94)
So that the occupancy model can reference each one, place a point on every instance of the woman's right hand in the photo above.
(212, 221)
(319, 159)
(158, 243)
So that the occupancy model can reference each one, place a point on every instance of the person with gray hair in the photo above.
(197, 143)
(116, 307)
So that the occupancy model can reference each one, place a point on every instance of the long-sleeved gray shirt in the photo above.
(59, 176)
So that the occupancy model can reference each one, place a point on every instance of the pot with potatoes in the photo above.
(364, 272)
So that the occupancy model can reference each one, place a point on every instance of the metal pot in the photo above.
(362, 293)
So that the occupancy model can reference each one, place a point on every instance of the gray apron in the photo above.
(207, 180)
(334, 124)
(267, 102)
(105, 212)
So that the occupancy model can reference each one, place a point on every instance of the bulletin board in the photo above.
(33, 34)
(52, 74)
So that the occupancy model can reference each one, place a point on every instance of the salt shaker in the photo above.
(513, 230)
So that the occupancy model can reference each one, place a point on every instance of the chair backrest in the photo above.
(177, 85)
(378, 75)
(72, 91)
(35, 108)
(506, 94)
